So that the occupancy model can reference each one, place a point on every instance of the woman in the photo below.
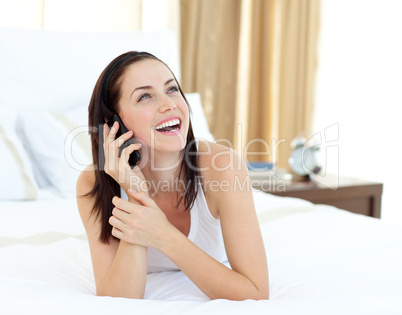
(179, 183)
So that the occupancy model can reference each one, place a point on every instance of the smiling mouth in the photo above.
(169, 126)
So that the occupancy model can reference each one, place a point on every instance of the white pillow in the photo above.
(198, 118)
(16, 176)
(59, 146)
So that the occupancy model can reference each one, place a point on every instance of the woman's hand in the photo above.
(118, 167)
(142, 224)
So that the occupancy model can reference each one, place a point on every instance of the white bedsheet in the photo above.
(322, 260)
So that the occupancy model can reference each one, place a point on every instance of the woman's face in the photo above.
(151, 105)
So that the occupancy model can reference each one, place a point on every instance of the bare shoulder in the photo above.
(216, 161)
(223, 175)
(85, 183)
(229, 197)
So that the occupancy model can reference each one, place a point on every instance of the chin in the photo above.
(166, 143)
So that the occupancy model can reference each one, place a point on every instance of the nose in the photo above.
(166, 104)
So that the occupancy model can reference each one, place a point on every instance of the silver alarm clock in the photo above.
(304, 158)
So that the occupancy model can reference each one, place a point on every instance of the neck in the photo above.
(162, 172)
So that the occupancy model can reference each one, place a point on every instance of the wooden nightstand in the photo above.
(355, 195)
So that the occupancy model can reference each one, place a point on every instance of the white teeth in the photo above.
(168, 123)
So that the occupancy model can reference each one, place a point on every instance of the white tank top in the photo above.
(205, 232)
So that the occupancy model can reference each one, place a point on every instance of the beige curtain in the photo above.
(209, 54)
(297, 60)
(253, 63)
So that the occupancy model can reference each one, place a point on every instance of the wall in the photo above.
(358, 87)
(91, 15)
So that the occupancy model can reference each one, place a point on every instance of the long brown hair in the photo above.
(103, 104)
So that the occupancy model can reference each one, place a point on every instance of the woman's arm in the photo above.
(119, 268)
(213, 278)
(244, 246)
(248, 279)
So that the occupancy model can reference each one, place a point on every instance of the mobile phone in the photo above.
(135, 157)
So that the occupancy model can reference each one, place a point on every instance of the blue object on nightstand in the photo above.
(260, 166)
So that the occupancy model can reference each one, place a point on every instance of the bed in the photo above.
(322, 260)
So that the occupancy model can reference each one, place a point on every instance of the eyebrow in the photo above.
(147, 87)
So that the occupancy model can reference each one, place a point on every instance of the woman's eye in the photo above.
(173, 89)
(144, 96)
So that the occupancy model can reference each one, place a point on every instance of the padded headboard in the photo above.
(58, 70)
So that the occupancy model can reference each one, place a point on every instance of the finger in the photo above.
(105, 133)
(121, 214)
(124, 137)
(105, 130)
(143, 198)
(109, 135)
(112, 133)
(118, 233)
(118, 202)
(115, 222)
(123, 205)
(125, 153)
